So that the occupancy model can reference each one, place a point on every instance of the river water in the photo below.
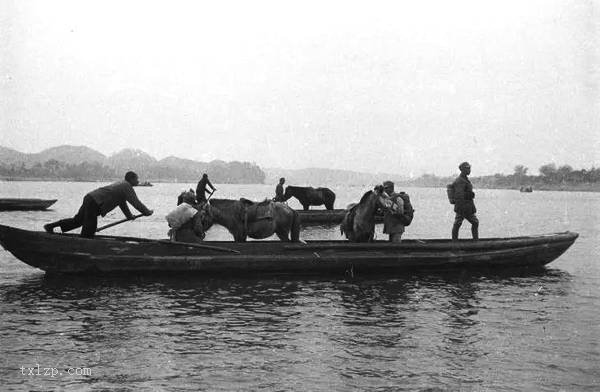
(493, 331)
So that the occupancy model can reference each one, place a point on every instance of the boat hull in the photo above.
(59, 253)
(325, 217)
(25, 204)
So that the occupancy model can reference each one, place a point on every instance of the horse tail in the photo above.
(295, 231)
(245, 228)
(329, 199)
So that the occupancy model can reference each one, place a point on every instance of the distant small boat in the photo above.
(146, 183)
(317, 217)
(526, 189)
(25, 204)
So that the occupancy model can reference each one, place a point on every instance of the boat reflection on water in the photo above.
(131, 328)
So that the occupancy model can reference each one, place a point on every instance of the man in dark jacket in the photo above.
(201, 189)
(464, 205)
(279, 191)
(100, 202)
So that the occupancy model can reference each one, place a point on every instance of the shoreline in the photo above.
(557, 188)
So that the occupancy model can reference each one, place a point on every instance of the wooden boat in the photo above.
(25, 204)
(64, 253)
(326, 217)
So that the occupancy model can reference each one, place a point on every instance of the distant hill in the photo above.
(69, 154)
(318, 177)
(8, 155)
(83, 163)
(66, 154)
(182, 164)
(130, 159)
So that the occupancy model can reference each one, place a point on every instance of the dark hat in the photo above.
(464, 165)
(130, 175)
(388, 184)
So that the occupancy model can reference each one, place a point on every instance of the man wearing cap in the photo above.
(464, 205)
(100, 202)
(391, 218)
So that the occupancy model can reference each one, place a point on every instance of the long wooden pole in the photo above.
(118, 222)
(211, 193)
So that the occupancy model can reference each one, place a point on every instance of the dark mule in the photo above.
(244, 218)
(309, 196)
(359, 222)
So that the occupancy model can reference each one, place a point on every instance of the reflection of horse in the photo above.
(244, 218)
(359, 222)
(309, 196)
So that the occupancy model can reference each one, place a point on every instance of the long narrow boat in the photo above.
(325, 217)
(63, 253)
(25, 204)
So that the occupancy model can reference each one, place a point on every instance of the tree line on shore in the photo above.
(550, 177)
(219, 171)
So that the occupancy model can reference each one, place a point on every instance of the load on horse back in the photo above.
(185, 221)
(245, 218)
(309, 196)
(359, 222)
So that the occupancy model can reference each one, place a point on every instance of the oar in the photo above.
(192, 245)
(211, 193)
(118, 222)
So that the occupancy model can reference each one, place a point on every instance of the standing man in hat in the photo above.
(279, 191)
(392, 224)
(464, 205)
(202, 190)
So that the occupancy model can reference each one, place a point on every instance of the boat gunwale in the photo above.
(29, 204)
(73, 254)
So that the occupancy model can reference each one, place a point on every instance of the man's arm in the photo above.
(211, 185)
(125, 208)
(132, 198)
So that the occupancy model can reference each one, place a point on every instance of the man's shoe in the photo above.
(49, 228)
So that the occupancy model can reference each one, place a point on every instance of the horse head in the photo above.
(377, 198)
(359, 221)
(383, 200)
(205, 215)
(187, 197)
(289, 193)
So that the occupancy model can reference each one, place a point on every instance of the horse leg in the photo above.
(239, 236)
(283, 236)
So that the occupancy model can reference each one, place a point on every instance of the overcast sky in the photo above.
(408, 88)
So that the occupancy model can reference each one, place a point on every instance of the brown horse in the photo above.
(359, 222)
(309, 196)
(244, 218)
